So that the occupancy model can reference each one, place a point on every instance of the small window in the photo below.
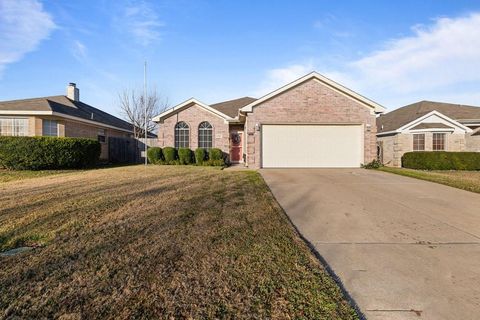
(205, 133)
(101, 136)
(182, 135)
(50, 128)
(438, 143)
(419, 142)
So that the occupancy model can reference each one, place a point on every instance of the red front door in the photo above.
(236, 150)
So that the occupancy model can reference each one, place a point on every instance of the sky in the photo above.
(393, 52)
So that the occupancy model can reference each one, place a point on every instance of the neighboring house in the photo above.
(427, 126)
(311, 122)
(61, 116)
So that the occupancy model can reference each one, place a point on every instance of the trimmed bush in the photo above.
(215, 154)
(154, 155)
(374, 164)
(169, 155)
(200, 156)
(441, 160)
(185, 155)
(37, 153)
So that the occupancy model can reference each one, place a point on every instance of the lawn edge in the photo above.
(318, 256)
(419, 175)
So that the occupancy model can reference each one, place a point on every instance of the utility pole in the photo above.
(145, 106)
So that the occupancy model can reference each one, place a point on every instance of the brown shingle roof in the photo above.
(64, 105)
(397, 118)
(231, 107)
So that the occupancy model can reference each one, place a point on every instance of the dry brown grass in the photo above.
(466, 180)
(160, 242)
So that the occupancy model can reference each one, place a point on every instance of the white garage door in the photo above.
(312, 146)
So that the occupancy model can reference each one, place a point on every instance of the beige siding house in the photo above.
(61, 116)
(311, 122)
(427, 126)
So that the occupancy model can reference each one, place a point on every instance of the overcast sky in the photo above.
(393, 52)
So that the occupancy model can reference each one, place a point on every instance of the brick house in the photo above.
(61, 116)
(311, 122)
(427, 126)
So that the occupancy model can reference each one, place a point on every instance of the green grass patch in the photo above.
(466, 180)
(13, 175)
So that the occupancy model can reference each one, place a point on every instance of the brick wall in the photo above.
(193, 116)
(309, 102)
(473, 141)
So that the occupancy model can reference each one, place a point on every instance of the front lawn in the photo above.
(157, 242)
(466, 180)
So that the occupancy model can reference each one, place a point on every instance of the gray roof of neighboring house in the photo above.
(64, 105)
(231, 107)
(397, 118)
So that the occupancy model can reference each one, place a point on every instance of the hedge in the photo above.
(37, 153)
(200, 156)
(441, 160)
(185, 156)
(169, 155)
(215, 154)
(154, 155)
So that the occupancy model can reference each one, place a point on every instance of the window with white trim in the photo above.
(438, 141)
(13, 127)
(182, 135)
(50, 128)
(205, 135)
(419, 142)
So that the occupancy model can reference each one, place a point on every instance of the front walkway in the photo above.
(403, 248)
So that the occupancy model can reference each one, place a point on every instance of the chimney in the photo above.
(72, 92)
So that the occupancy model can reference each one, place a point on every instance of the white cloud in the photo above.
(437, 62)
(79, 50)
(442, 54)
(24, 24)
(142, 21)
(276, 78)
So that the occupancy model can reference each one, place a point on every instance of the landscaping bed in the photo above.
(157, 242)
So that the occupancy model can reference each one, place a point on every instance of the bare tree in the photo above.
(132, 106)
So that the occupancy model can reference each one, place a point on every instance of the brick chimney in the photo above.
(72, 92)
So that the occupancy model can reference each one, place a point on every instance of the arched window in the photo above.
(205, 132)
(182, 135)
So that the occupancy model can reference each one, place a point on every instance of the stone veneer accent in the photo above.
(193, 116)
(309, 102)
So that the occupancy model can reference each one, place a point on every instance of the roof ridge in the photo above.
(29, 99)
(245, 97)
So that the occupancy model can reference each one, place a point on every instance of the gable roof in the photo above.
(186, 104)
(431, 125)
(61, 105)
(396, 119)
(227, 110)
(330, 83)
(231, 107)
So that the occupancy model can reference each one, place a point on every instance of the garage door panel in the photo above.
(315, 146)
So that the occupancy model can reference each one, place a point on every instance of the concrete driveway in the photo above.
(403, 248)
